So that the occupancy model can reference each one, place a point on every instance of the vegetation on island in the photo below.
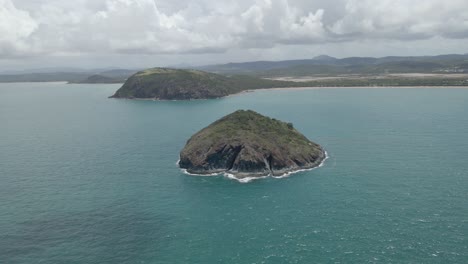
(246, 143)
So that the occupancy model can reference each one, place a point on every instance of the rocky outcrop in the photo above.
(247, 144)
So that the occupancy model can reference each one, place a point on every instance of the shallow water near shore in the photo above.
(87, 179)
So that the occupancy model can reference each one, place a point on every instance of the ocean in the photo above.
(87, 179)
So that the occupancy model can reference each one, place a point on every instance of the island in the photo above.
(248, 144)
(183, 84)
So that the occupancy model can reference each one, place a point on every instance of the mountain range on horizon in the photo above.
(357, 64)
(319, 65)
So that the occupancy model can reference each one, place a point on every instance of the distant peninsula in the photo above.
(183, 84)
(246, 144)
(97, 79)
(188, 84)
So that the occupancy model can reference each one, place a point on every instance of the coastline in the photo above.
(353, 87)
(296, 89)
(252, 178)
(343, 87)
(164, 100)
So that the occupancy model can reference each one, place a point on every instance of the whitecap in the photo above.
(244, 179)
(184, 171)
(249, 179)
(287, 174)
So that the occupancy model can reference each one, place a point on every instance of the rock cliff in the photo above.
(247, 144)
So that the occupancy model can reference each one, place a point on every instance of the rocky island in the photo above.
(248, 144)
(182, 84)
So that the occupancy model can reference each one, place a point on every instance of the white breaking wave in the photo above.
(245, 179)
(287, 174)
(184, 171)
(249, 179)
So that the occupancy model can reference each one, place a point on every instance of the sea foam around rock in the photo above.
(250, 179)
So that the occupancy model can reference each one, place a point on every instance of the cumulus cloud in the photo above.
(30, 27)
(403, 19)
(15, 28)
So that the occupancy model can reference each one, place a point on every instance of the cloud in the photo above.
(303, 29)
(43, 27)
(403, 19)
(15, 28)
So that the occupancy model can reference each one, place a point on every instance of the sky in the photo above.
(147, 33)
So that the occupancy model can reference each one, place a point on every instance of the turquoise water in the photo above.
(86, 179)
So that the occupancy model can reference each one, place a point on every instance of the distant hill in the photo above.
(44, 77)
(97, 78)
(364, 68)
(118, 73)
(326, 65)
(180, 84)
(324, 58)
(322, 65)
(107, 76)
(110, 76)
(256, 67)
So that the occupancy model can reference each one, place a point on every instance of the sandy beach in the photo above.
(350, 87)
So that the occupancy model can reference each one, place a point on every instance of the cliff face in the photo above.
(246, 143)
